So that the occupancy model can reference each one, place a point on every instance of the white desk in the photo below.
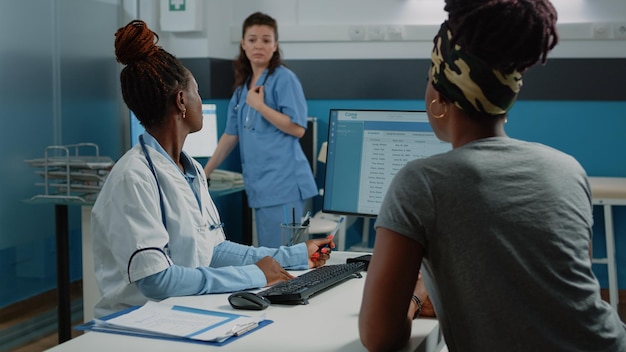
(609, 191)
(327, 323)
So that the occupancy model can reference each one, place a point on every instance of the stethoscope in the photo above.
(215, 225)
(238, 100)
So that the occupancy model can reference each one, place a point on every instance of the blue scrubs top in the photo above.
(274, 167)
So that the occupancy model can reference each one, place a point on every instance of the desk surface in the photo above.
(327, 323)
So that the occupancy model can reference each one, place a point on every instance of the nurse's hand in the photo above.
(255, 98)
(319, 251)
(273, 271)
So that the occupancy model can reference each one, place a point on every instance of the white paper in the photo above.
(161, 319)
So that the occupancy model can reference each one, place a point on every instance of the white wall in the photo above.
(321, 29)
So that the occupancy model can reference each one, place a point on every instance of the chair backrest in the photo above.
(309, 143)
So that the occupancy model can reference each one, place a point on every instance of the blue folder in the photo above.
(91, 326)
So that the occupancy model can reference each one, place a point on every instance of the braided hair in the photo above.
(507, 34)
(241, 64)
(152, 76)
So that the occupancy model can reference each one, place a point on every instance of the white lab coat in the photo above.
(129, 237)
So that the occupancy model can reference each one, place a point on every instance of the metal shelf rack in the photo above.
(71, 173)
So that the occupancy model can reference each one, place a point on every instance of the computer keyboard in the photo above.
(301, 288)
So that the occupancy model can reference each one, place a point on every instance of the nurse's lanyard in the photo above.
(212, 227)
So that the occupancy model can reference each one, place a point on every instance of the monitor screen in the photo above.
(199, 144)
(366, 148)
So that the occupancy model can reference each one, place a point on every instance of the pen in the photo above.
(334, 232)
(307, 219)
(286, 215)
(331, 235)
(302, 230)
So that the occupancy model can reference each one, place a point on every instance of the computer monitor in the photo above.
(200, 144)
(366, 148)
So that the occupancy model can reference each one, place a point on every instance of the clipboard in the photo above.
(229, 317)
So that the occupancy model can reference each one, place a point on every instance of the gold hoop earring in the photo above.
(445, 109)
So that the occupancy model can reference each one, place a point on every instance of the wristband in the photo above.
(419, 305)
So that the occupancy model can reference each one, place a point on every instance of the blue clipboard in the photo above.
(91, 326)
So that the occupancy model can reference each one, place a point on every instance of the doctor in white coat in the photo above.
(156, 230)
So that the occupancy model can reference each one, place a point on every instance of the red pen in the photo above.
(316, 255)
(323, 249)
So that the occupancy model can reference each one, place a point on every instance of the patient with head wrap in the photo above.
(500, 227)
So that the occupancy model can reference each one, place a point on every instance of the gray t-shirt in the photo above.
(507, 226)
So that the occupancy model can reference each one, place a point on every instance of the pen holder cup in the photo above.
(291, 234)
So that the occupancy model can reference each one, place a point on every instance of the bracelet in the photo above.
(419, 305)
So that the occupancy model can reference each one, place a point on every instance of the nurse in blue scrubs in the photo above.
(266, 116)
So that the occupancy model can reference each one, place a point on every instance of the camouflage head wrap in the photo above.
(468, 81)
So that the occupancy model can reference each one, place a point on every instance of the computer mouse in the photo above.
(248, 301)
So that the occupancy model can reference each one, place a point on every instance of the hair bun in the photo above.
(135, 42)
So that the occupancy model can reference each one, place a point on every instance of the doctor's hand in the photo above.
(319, 250)
(255, 98)
(273, 271)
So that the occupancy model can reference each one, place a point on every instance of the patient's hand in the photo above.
(427, 308)
(420, 291)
